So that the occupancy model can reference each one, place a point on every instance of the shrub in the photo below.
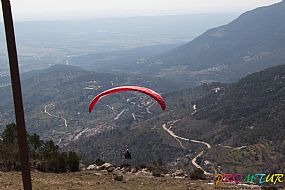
(99, 162)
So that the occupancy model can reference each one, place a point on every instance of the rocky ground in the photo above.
(102, 180)
(108, 177)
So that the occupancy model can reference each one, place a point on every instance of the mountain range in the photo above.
(237, 111)
(252, 42)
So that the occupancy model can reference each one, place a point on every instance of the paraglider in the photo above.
(144, 90)
(128, 154)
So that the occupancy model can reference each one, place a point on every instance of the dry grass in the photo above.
(88, 181)
(104, 181)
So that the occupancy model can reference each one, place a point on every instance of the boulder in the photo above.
(179, 177)
(110, 169)
(105, 166)
(117, 169)
(97, 174)
(144, 173)
(144, 169)
(91, 167)
(134, 170)
(178, 173)
(82, 167)
(118, 177)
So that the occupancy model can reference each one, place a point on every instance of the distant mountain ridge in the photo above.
(250, 43)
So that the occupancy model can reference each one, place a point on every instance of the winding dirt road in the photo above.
(56, 116)
(178, 139)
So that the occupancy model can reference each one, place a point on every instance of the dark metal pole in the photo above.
(17, 94)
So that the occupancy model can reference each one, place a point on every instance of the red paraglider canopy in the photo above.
(144, 90)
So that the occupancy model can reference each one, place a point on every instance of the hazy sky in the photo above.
(77, 9)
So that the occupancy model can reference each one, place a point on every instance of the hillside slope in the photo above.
(253, 107)
(250, 43)
(249, 113)
(56, 101)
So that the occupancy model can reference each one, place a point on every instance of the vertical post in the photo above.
(17, 94)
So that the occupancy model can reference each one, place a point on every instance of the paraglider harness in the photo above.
(128, 154)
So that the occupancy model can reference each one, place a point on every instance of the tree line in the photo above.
(44, 155)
